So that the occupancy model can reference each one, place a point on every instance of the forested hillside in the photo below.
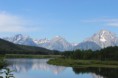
(10, 48)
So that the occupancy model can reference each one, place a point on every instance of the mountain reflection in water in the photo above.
(38, 68)
(24, 65)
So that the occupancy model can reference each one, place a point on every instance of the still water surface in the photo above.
(38, 68)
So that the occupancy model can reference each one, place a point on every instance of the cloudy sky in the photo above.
(74, 20)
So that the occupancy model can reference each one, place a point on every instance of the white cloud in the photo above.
(100, 20)
(105, 21)
(113, 24)
(12, 23)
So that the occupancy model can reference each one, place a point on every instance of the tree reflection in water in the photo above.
(98, 72)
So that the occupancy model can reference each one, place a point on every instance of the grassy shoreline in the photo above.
(31, 56)
(83, 63)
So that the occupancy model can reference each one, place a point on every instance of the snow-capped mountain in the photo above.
(57, 43)
(102, 39)
(20, 39)
(99, 40)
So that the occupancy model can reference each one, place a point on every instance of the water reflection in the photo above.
(25, 65)
(38, 68)
(96, 76)
(98, 72)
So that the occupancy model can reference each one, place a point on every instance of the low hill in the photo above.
(10, 48)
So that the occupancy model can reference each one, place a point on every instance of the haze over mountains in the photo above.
(99, 40)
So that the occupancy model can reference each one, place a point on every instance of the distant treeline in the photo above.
(110, 53)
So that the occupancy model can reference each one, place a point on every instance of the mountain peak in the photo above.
(104, 38)
(102, 34)
(103, 30)
(21, 39)
(18, 35)
(105, 35)
(21, 36)
(58, 38)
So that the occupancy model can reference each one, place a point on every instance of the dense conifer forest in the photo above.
(109, 53)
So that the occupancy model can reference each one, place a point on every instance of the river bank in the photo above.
(83, 63)
(30, 56)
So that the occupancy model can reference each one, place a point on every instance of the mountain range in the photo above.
(11, 48)
(56, 43)
(99, 40)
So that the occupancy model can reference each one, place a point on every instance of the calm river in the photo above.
(38, 68)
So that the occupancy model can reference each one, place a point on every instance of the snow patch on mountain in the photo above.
(104, 38)
(41, 41)
(21, 39)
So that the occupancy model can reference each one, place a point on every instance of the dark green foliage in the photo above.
(8, 73)
(10, 48)
(110, 53)
(105, 72)
(2, 62)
